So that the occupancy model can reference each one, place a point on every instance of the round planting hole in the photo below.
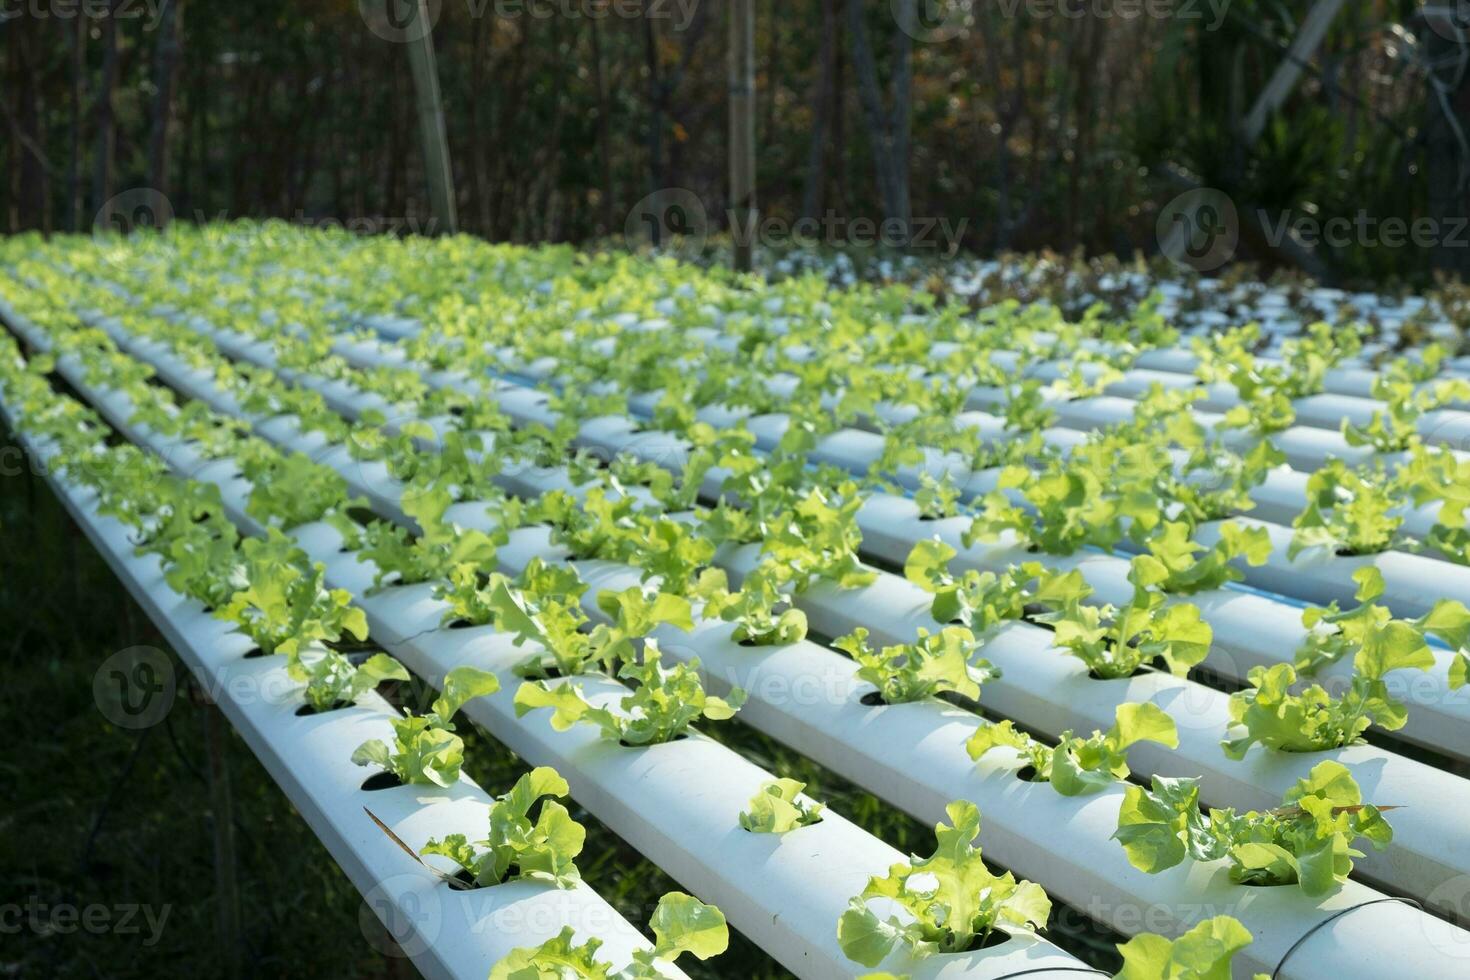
(380, 780)
(306, 710)
(676, 738)
(873, 699)
(1137, 672)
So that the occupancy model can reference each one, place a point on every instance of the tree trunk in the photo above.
(888, 129)
(78, 39)
(656, 96)
(604, 136)
(106, 120)
(742, 132)
(1446, 154)
(165, 80)
(823, 96)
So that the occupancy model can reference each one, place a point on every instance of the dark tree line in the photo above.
(1043, 123)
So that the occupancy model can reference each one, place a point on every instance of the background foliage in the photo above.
(1043, 123)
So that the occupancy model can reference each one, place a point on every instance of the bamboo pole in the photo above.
(742, 132)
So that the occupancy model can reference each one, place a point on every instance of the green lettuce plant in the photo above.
(1306, 842)
(777, 808)
(425, 750)
(933, 664)
(664, 702)
(1077, 766)
(518, 848)
(681, 924)
(1117, 642)
(981, 601)
(282, 602)
(1348, 512)
(1204, 952)
(950, 901)
(332, 680)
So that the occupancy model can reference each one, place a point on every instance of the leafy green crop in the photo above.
(1312, 720)
(664, 702)
(282, 602)
(950, 901)
(753, 609)
(332, 681)
(518, 849)
(1202, 953)
(1078, 766)
(933, 664)
(982, 600)
(1116, 643)
(439, 551)
(681, 924)
(1174, 563)
(776, 809)
(1347, 512)
(425, 749)
(1307, 841)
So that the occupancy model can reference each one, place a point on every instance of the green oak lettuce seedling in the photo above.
(283, 602)
(332, 681)
(1305, 842)
(1078, 766)
(425, 749)
(1202, 953)
(681, 924)
(1116, 642)
(664, 702)
(933, 664)
(950, 901)
(777, 808)
(982, 600)
(542, 850)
